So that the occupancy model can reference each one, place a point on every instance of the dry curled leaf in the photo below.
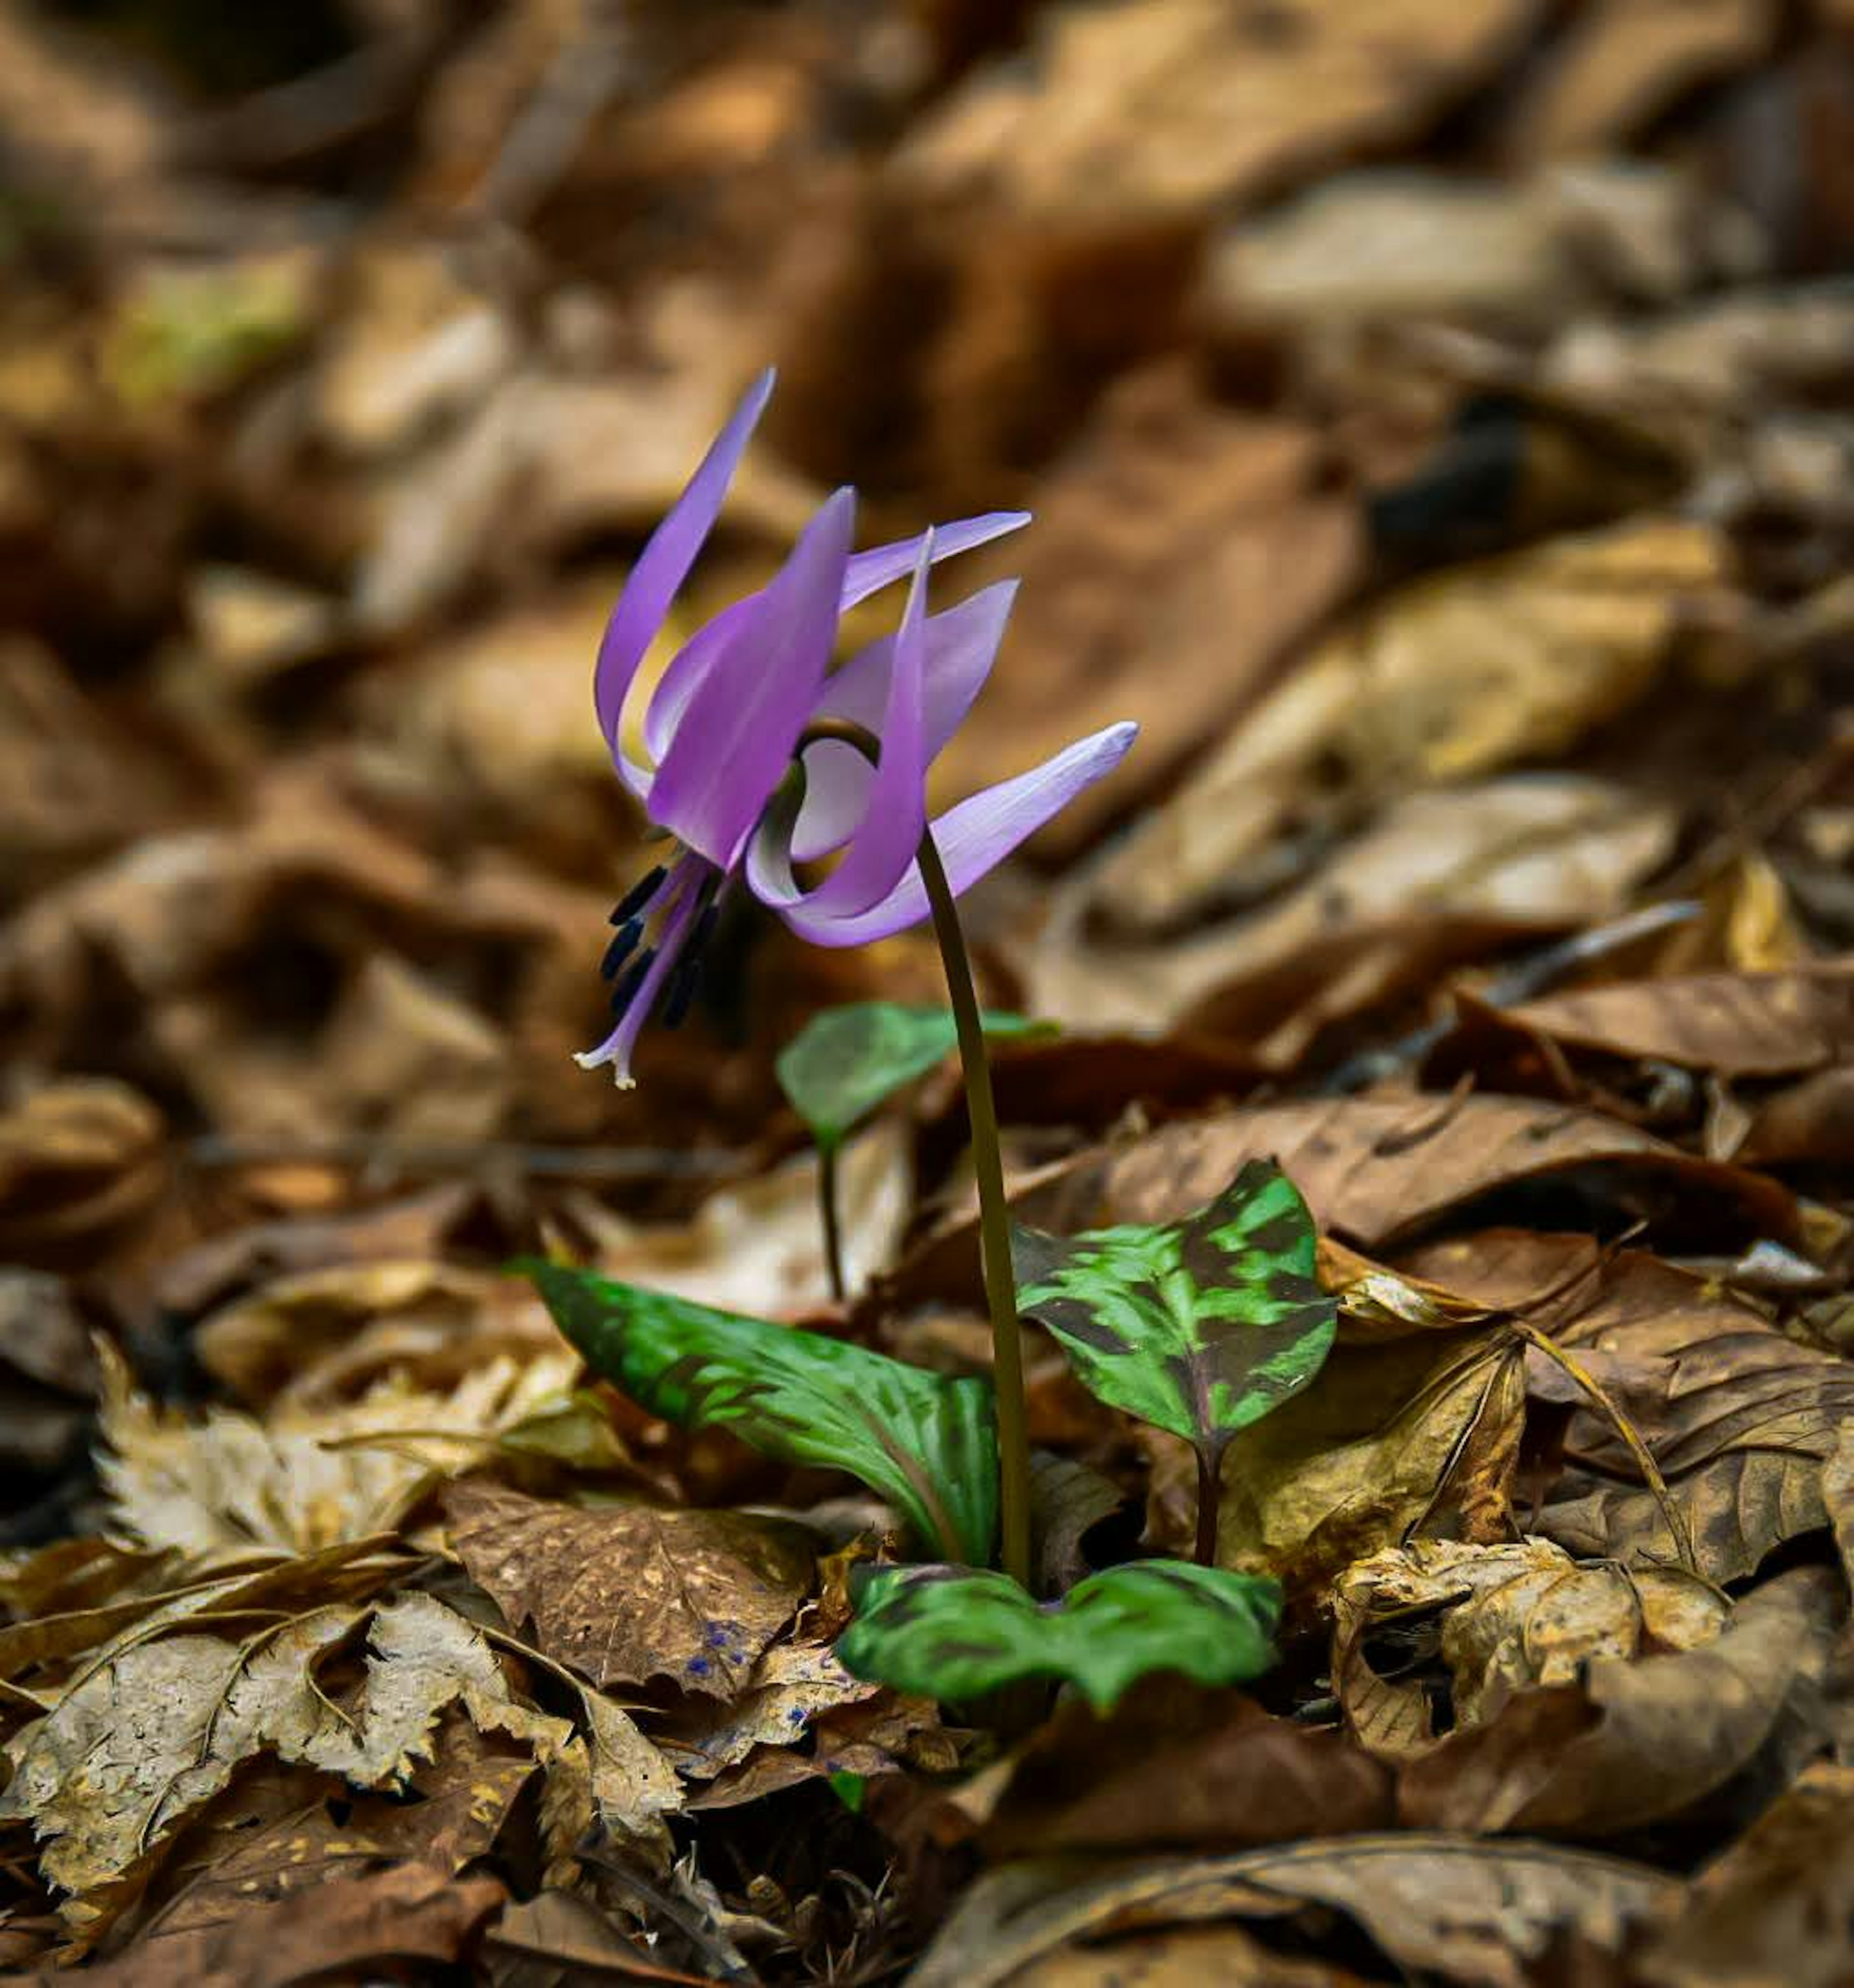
(415, 1912)
(1500, 1618)
(1479, 1914)
(1739, 1416)
(219, 1488)
(1639, 1740)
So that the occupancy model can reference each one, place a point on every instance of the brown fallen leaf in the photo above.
(1439, 879)
(1774, 1906)
(219, 1488)
(106, 1794)
(1738, 1416)
(557, 1939)
(1634, 1742)
(758, 1247)
(150, 1599)
(1180, 550)
(413, 1913)
(1810, 1120)
(316, 1337)
(1139, 108)
(1372, 247)
(1178, 1957)
(72, 783)
(81, 1160)
(1175, 1765)
(790, 1685)
(1376, 1169)
(101, 1791)
(1480, 1914)
(282, 1832)
(1735, 1025)
(1621, 62)
(624, 1595)
(1456, 676)
(1401, 1437)
(1501, 1617)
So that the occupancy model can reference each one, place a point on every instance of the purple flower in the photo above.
(727, 716)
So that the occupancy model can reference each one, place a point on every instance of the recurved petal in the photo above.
(735, 737)
(870, 571)
(974, 837)
(890, 830)
(960, 645)
(663, 565)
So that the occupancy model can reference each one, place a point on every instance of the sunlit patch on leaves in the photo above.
(845, 1061)
(926, 1443)
(958, 1633)
(1200, 1326)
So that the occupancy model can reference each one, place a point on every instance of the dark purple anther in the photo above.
(639, 895)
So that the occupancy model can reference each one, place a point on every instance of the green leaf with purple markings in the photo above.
(1200, 1326)
(926, 1443)
(957, 1633)
(845, 1061)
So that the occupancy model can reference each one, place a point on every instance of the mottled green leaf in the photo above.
(843, 1063)
(1200, 1326)
(926, 1443)
(957, 1633)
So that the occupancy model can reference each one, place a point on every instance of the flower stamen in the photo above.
(638, 896)
(623, 944)
(627, 990)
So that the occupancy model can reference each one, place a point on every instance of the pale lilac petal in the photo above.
(691, 663)
(870, 572)
(961, 645)
(735, 738)
(661, 567)
(974, 837)
(890, 830)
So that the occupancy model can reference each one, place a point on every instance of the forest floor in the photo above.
(1439, 419)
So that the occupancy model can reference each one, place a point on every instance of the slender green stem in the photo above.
(994, 1221)
(988, 1165)
(833, 1222)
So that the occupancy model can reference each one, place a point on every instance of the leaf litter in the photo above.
(1437, 428)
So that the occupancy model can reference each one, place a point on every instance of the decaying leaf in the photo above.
(221, 1487)
(1459, 675)
(1406, 1436)
(791, 1685)
(103, 1790)
(1775, 1906)
(1736, 1025)
(1174, 1765)
(1631, 1743)
(1132, 108)
(1502, 1618)
(416, 1912)
(1473, 1912)
(759, 1246)
(622, 1596)
(277, 1834)
(1738, 1416)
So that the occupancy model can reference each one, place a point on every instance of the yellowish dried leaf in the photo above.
(309, 1477)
